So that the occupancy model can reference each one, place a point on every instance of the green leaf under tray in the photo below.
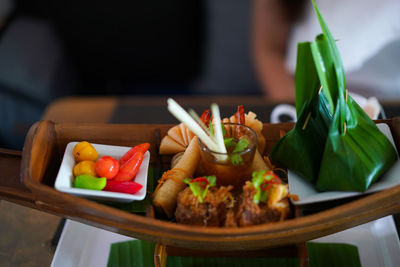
(141, 253)
(333, 254)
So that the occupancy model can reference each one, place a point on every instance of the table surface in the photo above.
(153, 109)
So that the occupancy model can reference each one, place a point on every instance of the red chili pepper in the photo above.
(142, 147)
(122, 187)
(206, 116)
(129, 169)
(203, 182)
(240, 117)
(267, 184)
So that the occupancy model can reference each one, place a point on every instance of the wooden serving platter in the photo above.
(42, 156)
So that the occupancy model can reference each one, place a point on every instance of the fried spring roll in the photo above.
(165, 196)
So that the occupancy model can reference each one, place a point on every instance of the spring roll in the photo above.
(164, 198)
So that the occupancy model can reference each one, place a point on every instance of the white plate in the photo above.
(65, 176)
(81, 245)
(308, 194)
(377, 242)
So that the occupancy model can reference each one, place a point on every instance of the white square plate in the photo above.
(65, 176)
(308, 194)
(377, 243)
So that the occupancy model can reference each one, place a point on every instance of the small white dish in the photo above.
(65, 176)
(308, 194)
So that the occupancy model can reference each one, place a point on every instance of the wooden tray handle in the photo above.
(11, 187)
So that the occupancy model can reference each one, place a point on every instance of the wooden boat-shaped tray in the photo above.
(42, 156)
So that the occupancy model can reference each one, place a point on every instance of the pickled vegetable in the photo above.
(130, 168)
(85, 167)
(142, 148)
(127, 187)
(107, 166)
(90, 182)
(85, 151)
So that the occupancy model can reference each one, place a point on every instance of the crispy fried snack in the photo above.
(176, 140)
(275, 209)
(171, 183)
(211, 212)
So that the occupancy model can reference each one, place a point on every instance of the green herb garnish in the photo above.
(229, 142)
(199, 186)
(211, 129)
(236, 159)
(241, 145)
(262, 181)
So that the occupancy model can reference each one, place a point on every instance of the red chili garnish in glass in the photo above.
(206, 116)
(203, 182)
(240, 117)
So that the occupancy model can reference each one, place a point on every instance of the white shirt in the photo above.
(368, 34)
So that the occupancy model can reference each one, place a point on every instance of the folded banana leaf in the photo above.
(334, 144)
(297, 149)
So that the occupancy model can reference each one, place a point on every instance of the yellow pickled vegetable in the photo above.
(85, 151)
(85, 167)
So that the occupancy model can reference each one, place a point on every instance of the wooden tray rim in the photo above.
(314, 225)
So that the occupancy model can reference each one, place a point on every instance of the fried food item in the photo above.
(171, 183)
(176, 140)
(176, 158)
(275, 209)
(212, 211)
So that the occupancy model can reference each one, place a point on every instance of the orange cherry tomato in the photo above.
(85, 151)
(85, 167)
(107, 166)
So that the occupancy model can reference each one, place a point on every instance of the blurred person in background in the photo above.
(368, 34)
(52, 49)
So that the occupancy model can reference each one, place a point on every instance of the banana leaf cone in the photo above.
(334, 144)
(356, 158)
(301, 148)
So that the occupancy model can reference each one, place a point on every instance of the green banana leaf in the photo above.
(334, 143)
(313, 121)
(140, 253)
(135, 253)
(332, 254)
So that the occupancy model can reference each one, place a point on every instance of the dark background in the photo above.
(52, 49)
